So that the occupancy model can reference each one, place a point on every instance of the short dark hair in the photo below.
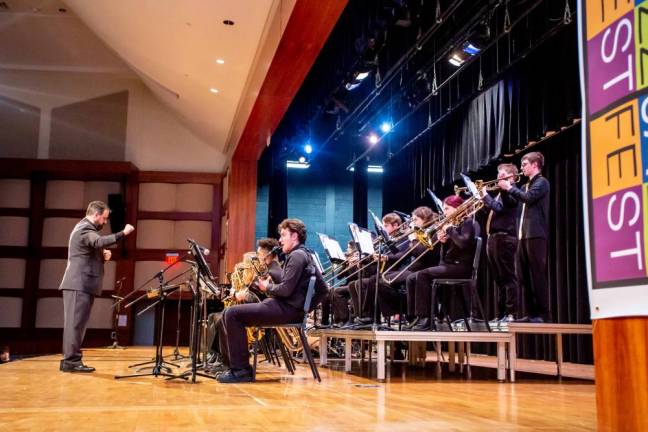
(267, 243)
(96, 207)
(534, 157)
(392, 218)
(294, 226)
(424, 213)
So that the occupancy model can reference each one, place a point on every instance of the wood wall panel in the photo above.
(621, 368)
(242, 210)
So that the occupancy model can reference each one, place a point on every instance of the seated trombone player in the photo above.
(414, 256)
(457, 254)
(363, 291)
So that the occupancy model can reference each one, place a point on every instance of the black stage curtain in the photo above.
(535, 97)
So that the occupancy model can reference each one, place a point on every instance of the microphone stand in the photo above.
(376, 325)
(116, 307)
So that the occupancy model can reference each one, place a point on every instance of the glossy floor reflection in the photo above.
(35, 396)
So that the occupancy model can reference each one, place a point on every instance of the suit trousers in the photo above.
(76, 313)
(532, 269)
(270, 311)
(500, 250)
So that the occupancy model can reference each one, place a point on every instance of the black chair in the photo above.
(472, 285)
(301, 327)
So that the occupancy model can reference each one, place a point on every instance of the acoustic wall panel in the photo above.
(15, 193)
(157, 197)
(99, 191)
(14, 231)
(10, 312)
(194, 197)
(51, 273)
(155, 234)
(65, 194)
(196, 230)
(12, 273)
(49, 313)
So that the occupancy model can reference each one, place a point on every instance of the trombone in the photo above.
(488, 186)
(427, 237)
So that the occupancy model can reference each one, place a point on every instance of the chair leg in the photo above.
(480, 306)
(255, 353)
(465, 307)
(286, 355)
(309, 355)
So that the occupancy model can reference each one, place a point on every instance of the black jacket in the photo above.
(460, 247)
(297, 270)
(505, 213)
(535, 220)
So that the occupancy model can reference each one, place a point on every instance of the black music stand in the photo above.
(159, 367)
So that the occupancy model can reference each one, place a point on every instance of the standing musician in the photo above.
(389, 295)
(267, 249)
(82, 280)
(457, 251)
(284, 305)
(501, 228)
(533, 233)
(363, 291)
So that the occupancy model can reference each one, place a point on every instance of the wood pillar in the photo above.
(242, 186)
(621, 369)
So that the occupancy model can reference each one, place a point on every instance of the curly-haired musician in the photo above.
(267, 249)
(457, 252)
(285, 303)
(501, 228)
(533, 232)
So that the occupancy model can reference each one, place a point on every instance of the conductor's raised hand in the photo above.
(128, 229)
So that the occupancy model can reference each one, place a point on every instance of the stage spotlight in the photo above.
(308, 149)
(352, 85)
(361, 75)
(373, 138)
(457, 59)
(471, 49)
(302, 159)
(297, 165)
(386, 127)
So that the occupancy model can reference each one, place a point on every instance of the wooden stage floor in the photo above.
(35, 396)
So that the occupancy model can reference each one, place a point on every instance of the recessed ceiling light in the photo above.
(220, 61)
(62, 10)
(228, 22)
(213, 90)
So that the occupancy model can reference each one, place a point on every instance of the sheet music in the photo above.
(363, 238)
(471, 186)
(317, 262)
(332, 247)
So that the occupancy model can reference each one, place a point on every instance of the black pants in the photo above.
(270, 311)
(212, 335)
(532, 270)
(419, 286)
(359, 296)
(501, 249)
(389, 295)
(76, 313)
(336, 301)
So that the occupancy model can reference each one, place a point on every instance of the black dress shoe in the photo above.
(422, 325)
(77, 368)
(411, 325)
(235, 376)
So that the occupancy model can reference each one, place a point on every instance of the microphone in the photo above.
(276, 250)
(203, 250)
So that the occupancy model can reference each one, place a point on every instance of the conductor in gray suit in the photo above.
(82, 280)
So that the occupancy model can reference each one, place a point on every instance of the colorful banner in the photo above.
(613, 42)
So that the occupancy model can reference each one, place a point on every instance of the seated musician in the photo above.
(457, 252)
(285, 302)
(363, 290)
(338, 300)
(420, 257)
(267, 250)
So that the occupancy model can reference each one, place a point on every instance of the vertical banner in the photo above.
(613, 47)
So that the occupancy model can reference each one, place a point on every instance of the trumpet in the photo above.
(487, 186)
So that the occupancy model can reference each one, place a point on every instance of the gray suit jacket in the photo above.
(85, 266)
